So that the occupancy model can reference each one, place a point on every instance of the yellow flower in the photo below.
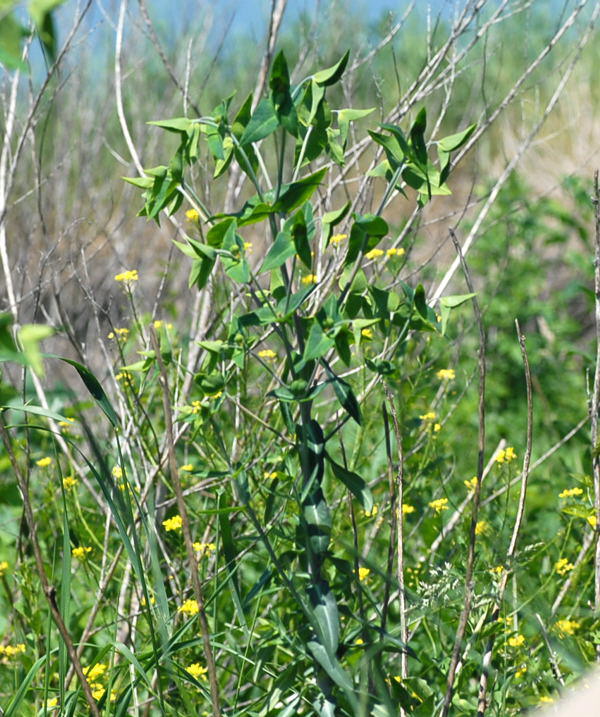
(516, 641)
(506, 456)
(563, 566)
(124, 376)
(52, 703)
(192, 215)
(429, 416)
(67, 423)
(367, 333)
(3, 568)
(44, 462)
(267, 354)
(186, 468)
(12, 650)
(481, 527)
(570, 493)
(406, 509)
(337, 238)
(371, 513)
(471, 484)
(309, 279)
(81, 552)
(173, 523)
(69, 482)
(270, 475)
(591, 519)
(521, 672)
(546, 700)
(117, 472)
(567, 627)
(446, 374)
(359, 641)
(97, 690)
(189, 607)
(498, 570)
(374, 254)
(157, 324)
(248, 246)
(363, 573)
(437, 427)
(197, 671)
(205, 548)
(127, 276)
(395, 252)
(96, 671)
(118, 332)
(439, 504)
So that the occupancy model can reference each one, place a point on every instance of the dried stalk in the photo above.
(595, 403)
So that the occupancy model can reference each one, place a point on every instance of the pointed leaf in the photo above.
(332, 74)
(355, 484)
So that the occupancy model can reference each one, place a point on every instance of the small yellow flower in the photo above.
(506, 456)
(567, 627)
(3, 568)
(429, 416)
(127, 276)
(267, 354)
(359, 641)
(481, 527)
(189, 607)
(309, 279)
(395, 252)
(367, 333)
(9, 651)
(521, 672)
(44, 462)
(157, 324)
(371, 513)
(66, 424)
(118, 333)
(407, 509)
(192, 215)
(570, 493)
(439, 504)
(197, 671)
(69, 482)
(471, 484)
(117, 472)
(205, 548)
(337, 238)
(248, 246)
(124, 376)
(173, 523)
(95, 672)
(374, 254)
(437, 427)
(363, 573)
(81, 552)
(97, 690)
(546, 700)
(497, 570)
(446, 374)
(563, 566)
(516, 641)
(591, 519)
(52, 703)
(187, 468)
(270, 475)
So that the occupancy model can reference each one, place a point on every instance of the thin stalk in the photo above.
(595, 403)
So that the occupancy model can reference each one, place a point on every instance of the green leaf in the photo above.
(294, 194)
(200, 272)
(335, 670)
(318, 343)
(41, 14)
(332, 74)
(331, 220)
(325, 615)
(93, 386)
(30, 336)
(349, 115)
(11, 34)
(346, 397)
(34, 410)
(417, 136)
(13, 709)
(447, 303)
(279, 84)
(263, 122)
(177, 124)
(282, 249)
(140, 182)
(355, 484)
(216, 234)
(454, 141)
(302, 229)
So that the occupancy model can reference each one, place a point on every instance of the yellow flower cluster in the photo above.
(516, 641)
(205, 548)
(309, 279)
(497, 570)
(567, 627)
(187, 468)
(81, 552)
(337, 238)
(367, 333)
(248, 246)
(471, 484)
(124, 376)
(267, 354)
(197, 671)
(506, 456)
(270, 475)
(546, 700)
(118, 333)
(563, 566)
(395, 252)
(446, 374)
(363, 573)
(44, 462)
(189, 607)
(127, 276)
(429, 416)
(570, 493)
(173, 523)
(95, 672)
(66, 424)
(481, 527)
(117, 472)
(439, 504)
(374, 254)
(591, 519)
(69, 482)
(158, 324)
(371, 513)
(407, 509)
(8, 651)
(521, 671)
(3, 568)
(192, 215)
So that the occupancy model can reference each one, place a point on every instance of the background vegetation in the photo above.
(116, 492)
